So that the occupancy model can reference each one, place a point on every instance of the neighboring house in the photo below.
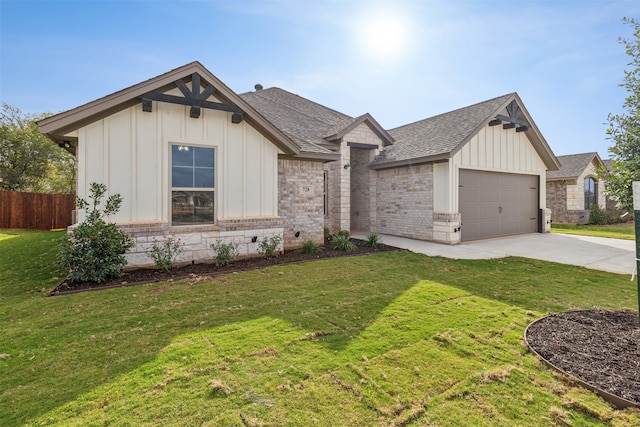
(194, 159)
(575, 188)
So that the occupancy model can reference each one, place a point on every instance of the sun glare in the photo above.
(383, 37)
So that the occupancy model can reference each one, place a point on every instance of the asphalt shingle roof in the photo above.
(571, 166)
(440, 134)
(302, 120)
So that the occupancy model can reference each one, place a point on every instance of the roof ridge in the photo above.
(579, 154)
(453, 111)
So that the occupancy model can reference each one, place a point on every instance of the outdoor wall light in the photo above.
(254, 239)
(64, 144)
(347, 166)
(297, 234)
(457, 229)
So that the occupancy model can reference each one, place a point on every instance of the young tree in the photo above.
(624, 129)
(28, 160)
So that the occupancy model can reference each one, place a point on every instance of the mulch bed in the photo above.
(598, 347)
(151, 275)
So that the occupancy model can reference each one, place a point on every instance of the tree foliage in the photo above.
(624, 129)
(29, 161)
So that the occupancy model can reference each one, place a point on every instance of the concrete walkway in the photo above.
(613, 255)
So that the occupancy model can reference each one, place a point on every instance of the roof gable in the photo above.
(339, 131)
(55, 127)
(441, 136)
(573, 165)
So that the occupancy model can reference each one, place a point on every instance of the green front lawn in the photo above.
(618, 231)
(389, 339)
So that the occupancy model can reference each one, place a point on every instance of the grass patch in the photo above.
(388, 339)
(618, 231)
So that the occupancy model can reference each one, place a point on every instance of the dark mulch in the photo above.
(150, 275)
(601, 348)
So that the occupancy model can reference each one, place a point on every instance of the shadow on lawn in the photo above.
(85, 340)
(81, 342)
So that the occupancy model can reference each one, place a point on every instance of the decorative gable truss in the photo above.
(195, 97)
(513, 120)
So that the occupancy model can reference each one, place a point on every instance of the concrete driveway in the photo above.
(613, 255)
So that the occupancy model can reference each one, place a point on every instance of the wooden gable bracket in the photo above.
(512, 120)
(193, 98)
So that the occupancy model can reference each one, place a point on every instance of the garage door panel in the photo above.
(496, 204)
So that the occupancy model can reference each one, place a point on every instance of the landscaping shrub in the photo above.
(342, 243)
(310, 247)
(327, 233)
(597, 216)
(373, 240)
(166, 252)
(93, 251)
(344, 233)
(225, 252)
(268, 247)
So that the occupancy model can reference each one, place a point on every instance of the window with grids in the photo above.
(590, 192)
(192, 185)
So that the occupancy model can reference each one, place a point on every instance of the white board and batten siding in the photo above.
(491, 149)
(130, 152)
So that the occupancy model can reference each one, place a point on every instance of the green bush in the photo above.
(344, 233)
(166, 252)
(597, 216)
(93, 251)
(225, 252)
(342, 243)
(373, 240)
(310, 247)
(269, 246)
(327, 233)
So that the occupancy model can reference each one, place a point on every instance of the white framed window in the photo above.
(192, 185)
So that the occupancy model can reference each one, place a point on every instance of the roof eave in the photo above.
(325, 157)
(563, 178)
(410, 162)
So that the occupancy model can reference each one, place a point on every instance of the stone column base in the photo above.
(446, 227)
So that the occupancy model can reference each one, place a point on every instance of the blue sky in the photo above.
(401, 61)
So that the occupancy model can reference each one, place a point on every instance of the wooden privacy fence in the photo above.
(35, 210)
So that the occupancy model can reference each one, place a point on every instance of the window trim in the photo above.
(171, 189)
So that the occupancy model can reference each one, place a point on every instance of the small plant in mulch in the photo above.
(342, 243)
(373, 240)
(164, 253)
(310, 247)
(269, 247)
(226, 252)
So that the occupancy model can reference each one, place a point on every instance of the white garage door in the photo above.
(496, 204)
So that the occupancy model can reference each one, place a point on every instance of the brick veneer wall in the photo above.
(405, 201)
(301, 201)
